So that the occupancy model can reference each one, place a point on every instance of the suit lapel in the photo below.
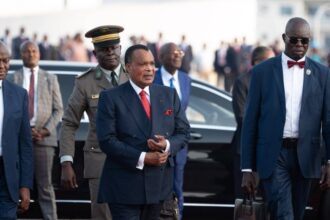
(278, 75)
(134, 105)
(18, 78)
(8, 100)
(308, 85)
(157, 106)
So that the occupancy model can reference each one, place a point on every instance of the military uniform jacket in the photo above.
(85, 97)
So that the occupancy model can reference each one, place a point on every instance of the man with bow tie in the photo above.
(288, 104)
(140, 127)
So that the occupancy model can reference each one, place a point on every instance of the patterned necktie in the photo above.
(171, 83)
(145, 103)
(113, 79)
(291, 63)
(31, 95)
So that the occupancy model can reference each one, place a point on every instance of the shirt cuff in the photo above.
(140, 163)
(168, 146)
(65, 158)
(247, 170)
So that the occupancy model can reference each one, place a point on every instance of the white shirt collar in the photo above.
(0, 83)
(167, 76)
(138, 89)
(28, 70)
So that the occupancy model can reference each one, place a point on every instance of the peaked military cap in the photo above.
(104, 36)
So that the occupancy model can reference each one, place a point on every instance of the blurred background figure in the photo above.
(16, 43)
(204, 64)
(47, 51)
(188, 55)
(77, 50)
(7, 39)
(232, 68)
(219, 63)
(155, 48)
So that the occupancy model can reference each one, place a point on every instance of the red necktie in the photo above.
(31, 95)
(291, 63)
(145, 103)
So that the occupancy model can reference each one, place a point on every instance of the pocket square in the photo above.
(168, 112)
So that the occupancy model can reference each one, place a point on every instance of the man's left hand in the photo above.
(325, 177)
(157, 144)
(39, 134)
(25, 200)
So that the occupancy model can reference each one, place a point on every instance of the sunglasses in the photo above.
(295, 40)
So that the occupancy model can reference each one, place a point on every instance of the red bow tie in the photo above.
(291, 63)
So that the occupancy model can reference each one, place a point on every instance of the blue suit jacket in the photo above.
(185, 85)
(265, 117)
(123, 129)
(16, 139)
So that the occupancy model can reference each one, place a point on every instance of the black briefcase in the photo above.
(250, 209)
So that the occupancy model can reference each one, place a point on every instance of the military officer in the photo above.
(84, 98)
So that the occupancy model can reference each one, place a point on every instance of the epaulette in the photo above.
(84, 73)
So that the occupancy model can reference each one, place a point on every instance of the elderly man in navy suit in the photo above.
(16, 157)
(169, 75)
(288, 104)
(140, 127)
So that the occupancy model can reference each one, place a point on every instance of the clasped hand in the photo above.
(157, 155)
(39, 134)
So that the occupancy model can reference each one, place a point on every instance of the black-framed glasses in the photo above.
(295, 40)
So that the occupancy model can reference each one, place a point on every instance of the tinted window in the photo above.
(209, 107)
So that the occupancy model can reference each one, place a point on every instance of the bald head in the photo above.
(4, 60)
(297, 23)
(296, 38)
(171, 57)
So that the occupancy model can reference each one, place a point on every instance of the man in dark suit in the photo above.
(45, 112)
(140, 127)
(240, 91)
(288, 102)
(188, 55)
(16, 43)
(169, 75)
(16, 156)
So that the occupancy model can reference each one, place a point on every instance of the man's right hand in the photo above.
(155, 158)
(68, 177)
(249, 184)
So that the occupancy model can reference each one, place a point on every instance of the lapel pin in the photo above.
(308, 72)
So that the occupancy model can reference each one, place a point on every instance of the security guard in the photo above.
(109, 73)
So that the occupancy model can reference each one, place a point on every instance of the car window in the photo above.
(208, 106)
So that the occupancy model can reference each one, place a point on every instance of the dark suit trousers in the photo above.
(286, 191)
(7, 206)
(134, 212)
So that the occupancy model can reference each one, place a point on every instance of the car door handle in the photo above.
(195, 135)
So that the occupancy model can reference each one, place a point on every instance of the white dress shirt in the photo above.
(293, 79)
(1, 116)
(166, 77)
(137, 89)
(26, 85)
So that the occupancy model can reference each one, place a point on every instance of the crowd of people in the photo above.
(218, 66)
(136, 147)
